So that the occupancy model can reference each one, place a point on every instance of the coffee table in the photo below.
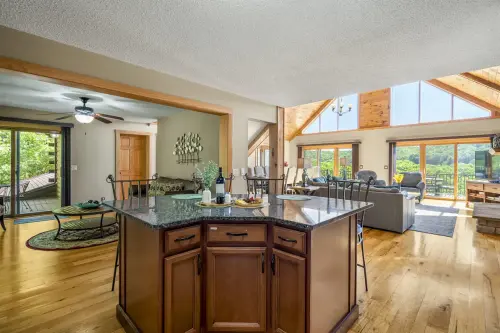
(83, 224)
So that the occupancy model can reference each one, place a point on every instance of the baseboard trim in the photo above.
(346, 323)
(127, 323)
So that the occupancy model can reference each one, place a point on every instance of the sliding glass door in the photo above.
(31, 171)
(447, 165)
(332, 160)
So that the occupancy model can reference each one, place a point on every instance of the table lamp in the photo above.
(304, 163)
(343, 163)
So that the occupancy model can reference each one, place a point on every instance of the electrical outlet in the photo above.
(236, 172)
(386, 167)
(74, 167)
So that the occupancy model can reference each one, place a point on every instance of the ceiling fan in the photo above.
(85, 114)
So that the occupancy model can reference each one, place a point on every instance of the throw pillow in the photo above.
(156, 188)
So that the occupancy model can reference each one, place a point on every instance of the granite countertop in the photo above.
(166, 212)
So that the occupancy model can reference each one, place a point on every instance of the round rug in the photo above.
(73, 239)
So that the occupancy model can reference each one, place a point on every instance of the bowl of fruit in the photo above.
(91, 204)
(249, 202)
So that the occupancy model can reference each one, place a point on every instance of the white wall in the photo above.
(93, 152)
(170, 128)
(49, 53)
(374, 150)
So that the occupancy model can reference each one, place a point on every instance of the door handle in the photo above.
(289, 240)
(237, 233)
(180, 239)
(199, 264)
(273, 264)
(263, 261)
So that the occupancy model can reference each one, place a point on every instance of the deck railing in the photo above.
(442, 184)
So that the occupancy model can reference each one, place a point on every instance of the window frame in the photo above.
(419, 107)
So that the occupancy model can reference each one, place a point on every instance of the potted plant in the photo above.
(398, 178)
(207, 175)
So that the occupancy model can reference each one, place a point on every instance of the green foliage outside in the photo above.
(326, 157)
(34, 155)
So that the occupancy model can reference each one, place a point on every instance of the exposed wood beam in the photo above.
(481, 81)
(464, 95)
(312, 118)
(258, 140)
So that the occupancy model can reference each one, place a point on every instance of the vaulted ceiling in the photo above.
(282, 53)
(480, 87)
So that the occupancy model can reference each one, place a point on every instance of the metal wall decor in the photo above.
(188, 148)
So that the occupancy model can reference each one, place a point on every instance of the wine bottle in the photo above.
(219, 188)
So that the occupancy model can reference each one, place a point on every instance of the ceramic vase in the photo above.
(207, 196)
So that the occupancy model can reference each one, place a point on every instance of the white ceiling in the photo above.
(28, 93)
(284, 52)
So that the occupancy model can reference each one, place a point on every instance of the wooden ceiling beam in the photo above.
(258, 140)
(312, 118)
(462, 94)
(481, 81)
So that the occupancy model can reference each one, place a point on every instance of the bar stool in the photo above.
(350, 185)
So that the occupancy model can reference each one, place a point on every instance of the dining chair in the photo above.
(264, 184)
(353, 188)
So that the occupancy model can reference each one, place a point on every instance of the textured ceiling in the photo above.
(286, 52)
(28, 93)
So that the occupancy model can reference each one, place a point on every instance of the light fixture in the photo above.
(340, 110)
(54, 135)
(83, 118)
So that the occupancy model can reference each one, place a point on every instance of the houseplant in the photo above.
(207, 175)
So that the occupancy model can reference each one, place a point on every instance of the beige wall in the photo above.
(374, 150)
(45, 52)
(93, 153)
(169, 129)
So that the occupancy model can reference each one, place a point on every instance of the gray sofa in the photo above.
(393, 210)
(366, 174)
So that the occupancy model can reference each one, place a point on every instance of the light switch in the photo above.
(236, 172)
(386, 167)
(74, 167)
(361, 166)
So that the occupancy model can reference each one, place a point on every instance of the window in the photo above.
(421, 102)
(333, 160)
(329, 121)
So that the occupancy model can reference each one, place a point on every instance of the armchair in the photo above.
(413, 181)
(365, 175)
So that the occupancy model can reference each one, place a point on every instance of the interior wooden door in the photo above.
(133, 161)
(182, 292)
(236, 289)
(289, 293)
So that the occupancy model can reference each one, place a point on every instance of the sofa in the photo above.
(393, 210)
(166, 186)
(366, 174)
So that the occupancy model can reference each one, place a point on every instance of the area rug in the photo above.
(435, 220)
(72, 240)
(38, 218)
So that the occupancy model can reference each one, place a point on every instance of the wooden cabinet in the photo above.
(288, 292)
(182, 292)
(236, 289)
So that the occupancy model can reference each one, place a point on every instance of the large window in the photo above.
(330, 121)
(332, 160)
(421, 102)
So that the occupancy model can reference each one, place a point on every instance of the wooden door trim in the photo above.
(118, 134)
(77, 80)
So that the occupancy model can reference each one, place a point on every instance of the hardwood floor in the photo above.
(417, 283)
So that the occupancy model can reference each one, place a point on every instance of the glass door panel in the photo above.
(407, 159)
(345, 163)
(473, 163)
(439, 171)
(5, 168)
(327, 162)
(38, 183)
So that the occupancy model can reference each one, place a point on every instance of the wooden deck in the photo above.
(417, 283)
(34, 184)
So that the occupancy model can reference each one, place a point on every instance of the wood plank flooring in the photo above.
(417, 283)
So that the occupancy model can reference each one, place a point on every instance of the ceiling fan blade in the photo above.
(52, 114)
(104, 120)
(109, 116)
(64, 117)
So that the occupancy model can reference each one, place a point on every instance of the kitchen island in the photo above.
(289, 267)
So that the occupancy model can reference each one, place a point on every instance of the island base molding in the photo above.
(237, 276)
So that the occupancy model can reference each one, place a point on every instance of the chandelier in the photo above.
(340, 109)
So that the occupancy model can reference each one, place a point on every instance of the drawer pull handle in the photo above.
(180, 239)
(237, 233)
(289, 240)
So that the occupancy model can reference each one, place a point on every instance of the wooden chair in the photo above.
(349, 187)
(254, 184)
(121, 186)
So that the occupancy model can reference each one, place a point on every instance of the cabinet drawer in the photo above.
(236, 233)
(182, 239)
(492, 188)
(291, 239)
(477, 187)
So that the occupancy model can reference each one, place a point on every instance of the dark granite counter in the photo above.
(165, 212)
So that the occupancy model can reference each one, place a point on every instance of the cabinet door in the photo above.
(236, 289)
(289, 293)
(182, 292)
